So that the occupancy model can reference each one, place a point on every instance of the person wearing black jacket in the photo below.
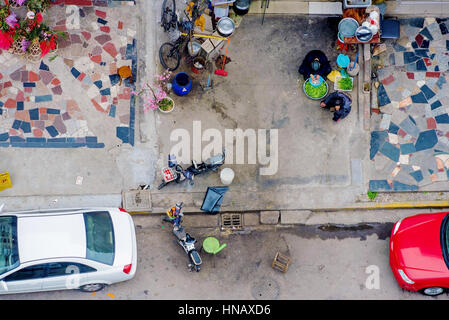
(339, 103)
(315, 62)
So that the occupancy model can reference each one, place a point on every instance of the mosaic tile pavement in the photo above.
(410, 143)
(39, 106)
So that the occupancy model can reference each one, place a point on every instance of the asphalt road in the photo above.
(327, 263)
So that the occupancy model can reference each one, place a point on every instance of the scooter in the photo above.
(185, 240)
(211, 164)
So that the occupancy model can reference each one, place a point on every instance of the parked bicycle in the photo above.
(170, 52)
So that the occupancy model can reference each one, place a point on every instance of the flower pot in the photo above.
(170, 110)
(182, 84)
(34, 51)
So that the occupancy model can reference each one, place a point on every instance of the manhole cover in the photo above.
(265, 289)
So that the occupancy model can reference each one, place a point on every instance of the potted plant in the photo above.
(38, 5)
(156, 96)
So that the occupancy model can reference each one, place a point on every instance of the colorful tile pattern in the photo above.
(38, 110)
(410, 142)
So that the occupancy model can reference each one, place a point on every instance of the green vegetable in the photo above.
(166, 104)
(315, 92)
(345, 83)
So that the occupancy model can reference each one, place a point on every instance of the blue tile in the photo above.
(415, 22)
(442, 118)
(379, 185)
(52, 131)
(419, 98)
(4, 136)
(91, 139)
(29, 84)
(16, 139)
(16, 124)
(399, 186)
(421, 65)
(114, 78)
(45, 98)
(26, 127)
(410, 57)
(414, 45)
(57, 140)
(447, 44)
(425, 32)
(95, 145)
(19, 105)
(393, 128)
(407, 148)
(427, 92)
(435, 105)
(105, 92)
(112, 111)
(43, 66)
(382, 96)
(390, 151)
(53, 111)
(123, 134)
(441, 81)
(426, 140)
(102, 21)
(99, 84)
(378, 138)
(422, 53)
(34, 114)
(36, 140)
(75, 72)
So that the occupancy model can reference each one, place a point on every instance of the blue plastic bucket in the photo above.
(182, 84)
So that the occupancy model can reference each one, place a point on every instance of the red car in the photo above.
(419, 255)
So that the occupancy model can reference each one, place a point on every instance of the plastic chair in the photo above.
(389, 28)
(212, 246)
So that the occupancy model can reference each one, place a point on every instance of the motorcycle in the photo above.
(185, 240)
(211, 164)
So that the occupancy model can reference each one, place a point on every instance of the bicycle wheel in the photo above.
(169, 56)
(168, 14)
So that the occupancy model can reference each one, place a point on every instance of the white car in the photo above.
(84, 249)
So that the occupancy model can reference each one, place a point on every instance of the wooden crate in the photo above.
(281, 262)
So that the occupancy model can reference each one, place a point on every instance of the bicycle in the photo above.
(169, 18)
(170, 52)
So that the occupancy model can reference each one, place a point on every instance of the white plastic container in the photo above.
(227, 176)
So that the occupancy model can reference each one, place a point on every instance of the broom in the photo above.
(222, 72)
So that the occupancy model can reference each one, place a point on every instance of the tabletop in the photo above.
(360, 14)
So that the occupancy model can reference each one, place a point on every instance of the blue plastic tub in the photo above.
(182, 83)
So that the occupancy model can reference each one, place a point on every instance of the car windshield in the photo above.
(9, 254)
(99, 237)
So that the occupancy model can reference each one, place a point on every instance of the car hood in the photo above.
(417, 244)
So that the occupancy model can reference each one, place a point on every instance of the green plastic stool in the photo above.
(212, 245)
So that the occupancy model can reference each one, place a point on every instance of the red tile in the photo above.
(388, 80)
(55, 82)
(20, 96)
(7, 84)
(96, 59)
(433, 74)
(402, 133)
(33, 77)
(110, 48)
(105, 29)
(120, 25)
(97, 106)
(100, 14)
(10, 103)
(86, 35)
(81, 76)
(13, 132)
(419, 39)
(78, 2)
(431, 123)
(37, 133)
(410, 75)
(427, 62)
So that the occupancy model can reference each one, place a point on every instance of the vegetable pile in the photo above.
(315, 92)
(345, 83)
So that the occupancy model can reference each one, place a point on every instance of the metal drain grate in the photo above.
(231, 220)
(265, 289)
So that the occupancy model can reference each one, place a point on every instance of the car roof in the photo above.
(51, 236)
